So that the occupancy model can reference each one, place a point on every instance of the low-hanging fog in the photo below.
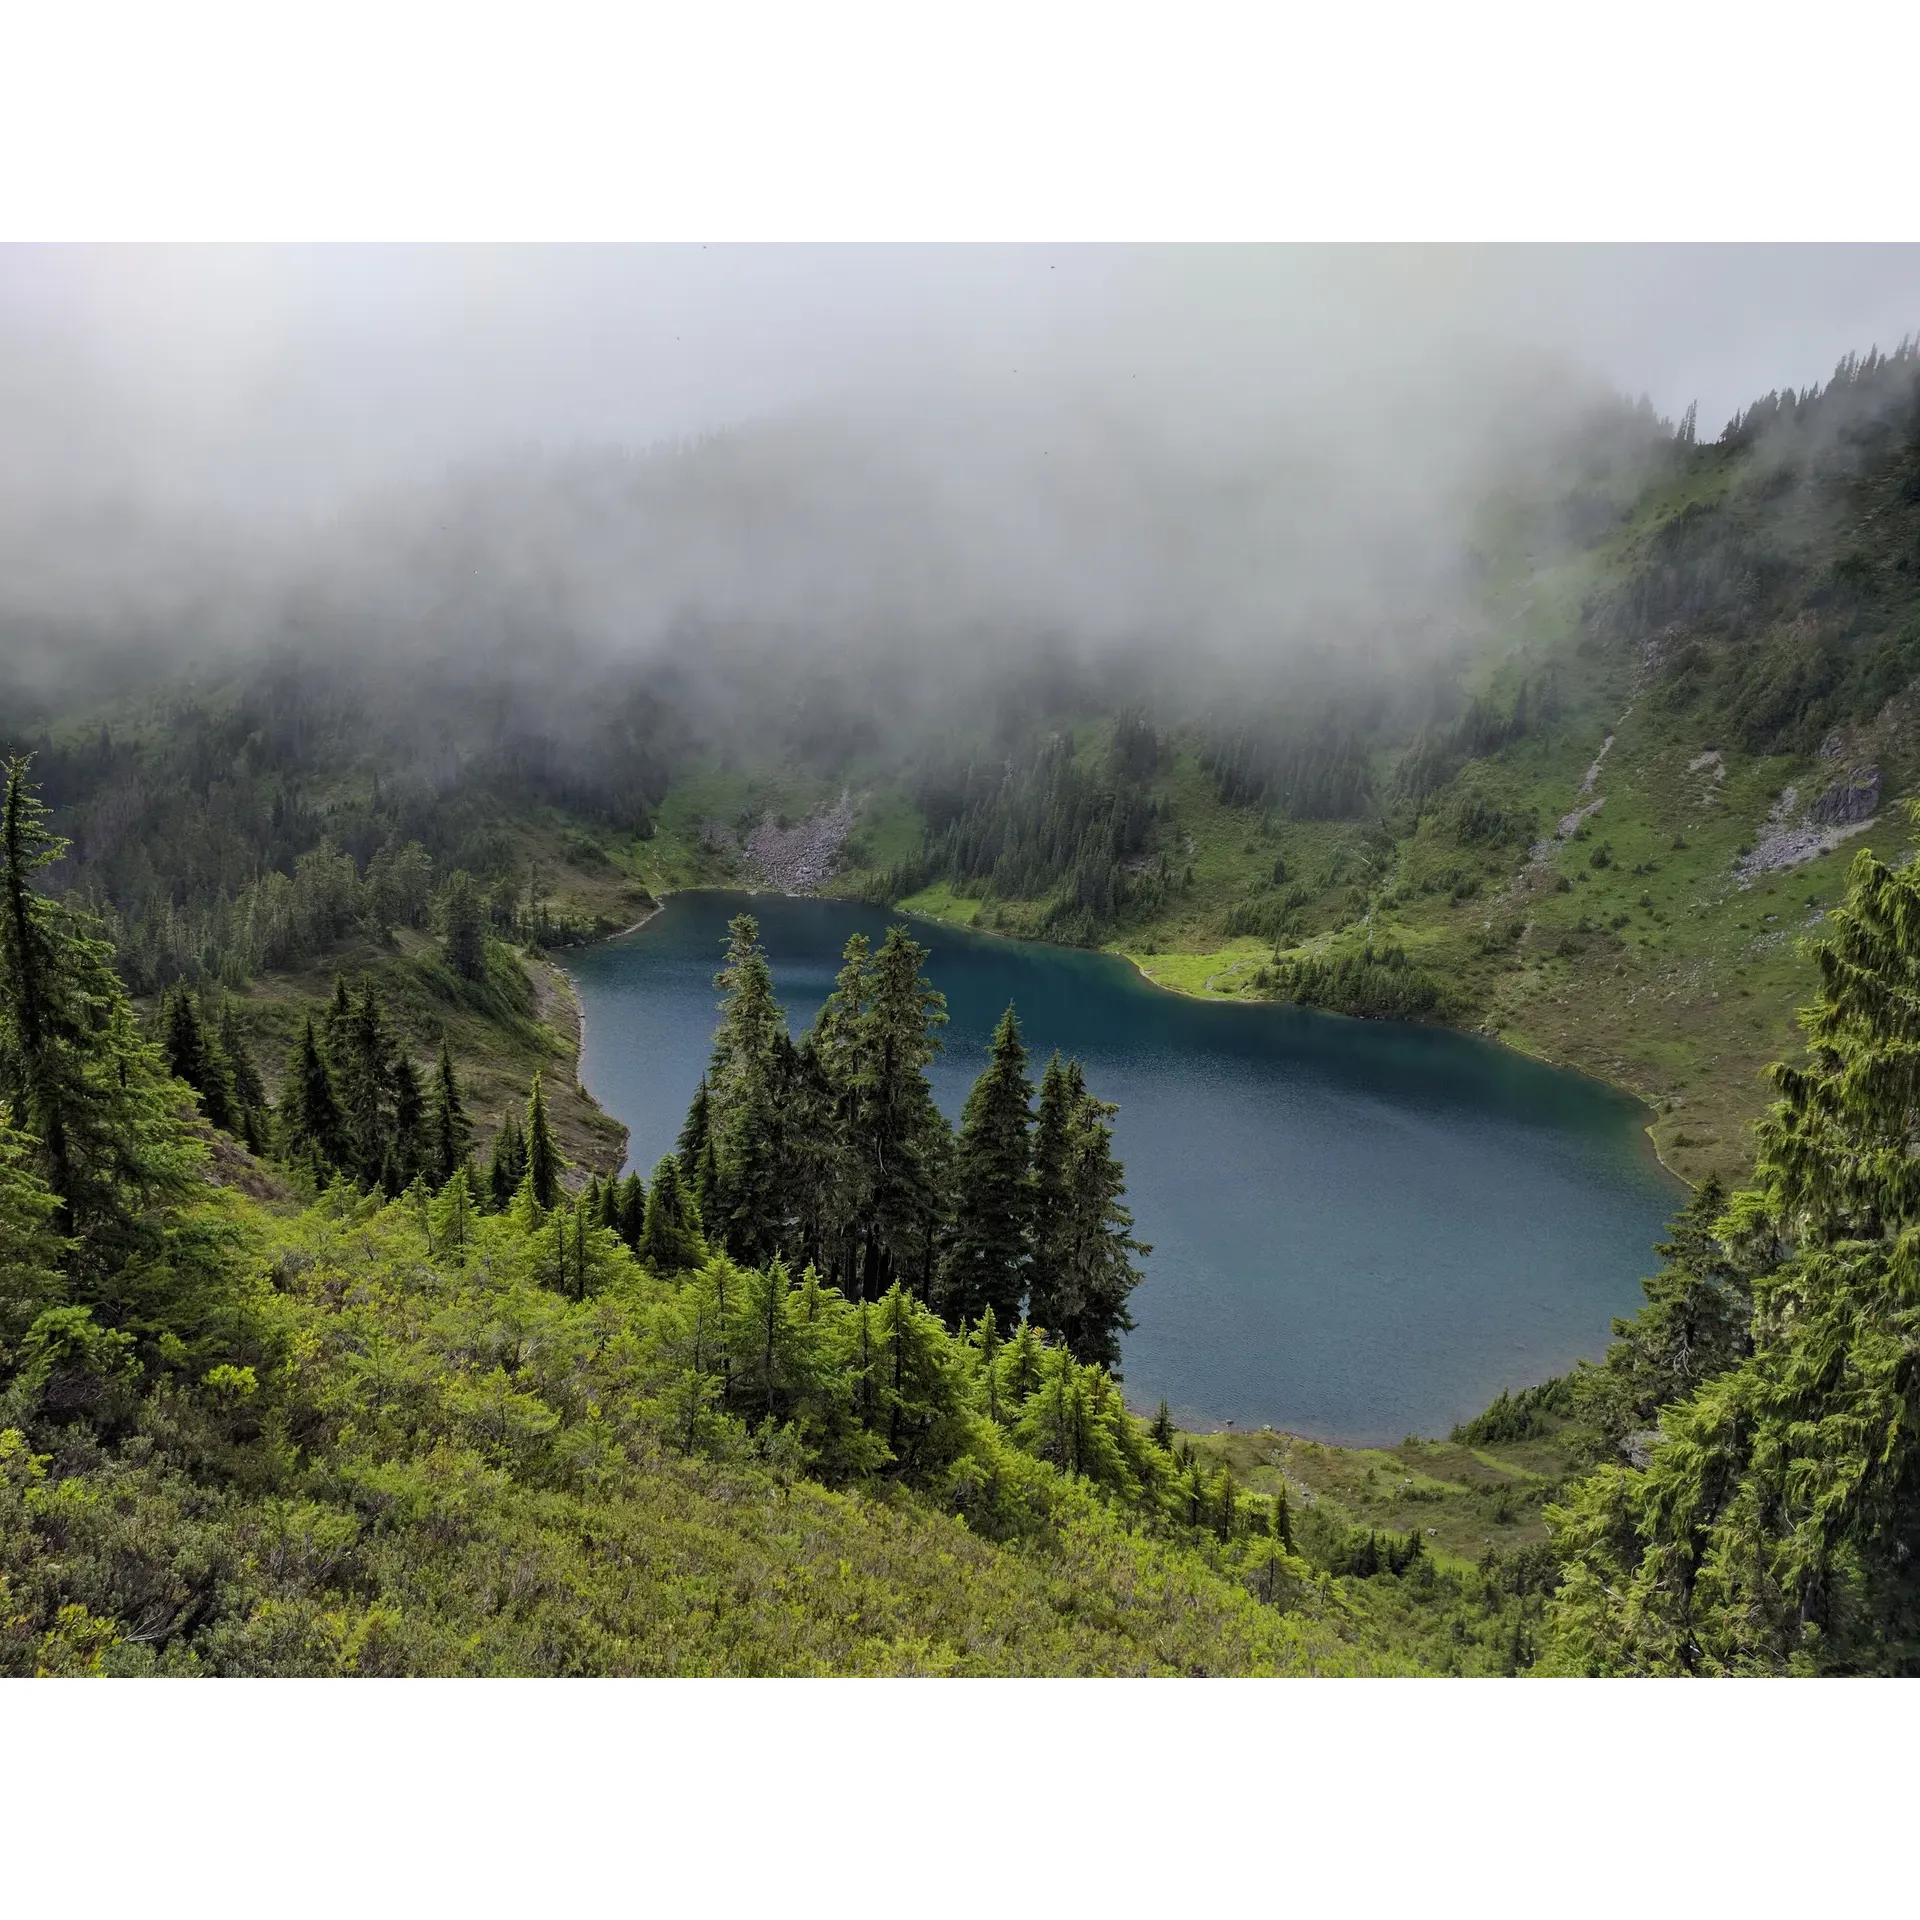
(903, 464)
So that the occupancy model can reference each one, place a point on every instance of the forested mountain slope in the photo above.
(1687, 702)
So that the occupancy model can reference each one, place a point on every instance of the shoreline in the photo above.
(1161, 986)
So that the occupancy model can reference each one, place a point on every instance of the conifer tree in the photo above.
(1281, 1520)
(337, 1022)
(1052, 1217)
(695, 1132)
(984, 1338)
(508, 1165)
(464, 922)
(312, 1131)
(1162, 1429)
(191, 1056)
(449, 1132)
(704, 1188)
(670, 1235)
(249, 1091)
(1770, 1527)
(920, 1403)
(989, 1243)
(543, 1151)
(897, 1133)
(750, 1018)
(407, 1151)
(452, 1214)
(633, 1208)
(1021, 1364)
(1084, 1269)
(361, 1056)
(77, 1077)
(753, 1161)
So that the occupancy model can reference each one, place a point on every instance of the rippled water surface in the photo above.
(1359, 1230)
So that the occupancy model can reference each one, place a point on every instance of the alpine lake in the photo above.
(1360, 1230)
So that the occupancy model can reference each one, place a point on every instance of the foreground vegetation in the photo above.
(350, 1405)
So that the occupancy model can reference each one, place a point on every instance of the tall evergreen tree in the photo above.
(77, 1077)
(192, 1056)
(407, 1153)
(508, 1164)
(1768, 1522)
(449, 1131)
(989, 1244)
(899, 1136)
(463, 919)
(695, 1131)
(249, 1090)
(543, 1151)
(670, 1235)
(1052, 1197)
(750, 1020)
(754, 1160)
(633, 1208)
(312, 1132)
(1084, 1268)
(362, 1057)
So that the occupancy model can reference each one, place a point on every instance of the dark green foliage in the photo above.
(1696, 1324)
(195, 1058)
(464, 922)
(1046, 823)
(985, 1259)
(251, 1114)
(633, 1208)
(1313, 771)
(671, 1240)
(1518, 1416)
(361, 1055)
(543, 1162)
(406, 1157)
(1083, 1246)
(898, 1138)
(313, 1133)
(1765, 1523)
(449, 1133)
(508, 1165)
(695, 1132)
(1374, 982)
(98, 1168)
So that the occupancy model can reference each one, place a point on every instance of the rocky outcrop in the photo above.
(797, 859)
(1791, 837)
(1853, 797)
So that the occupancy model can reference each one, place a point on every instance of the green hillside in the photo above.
(1562, 853)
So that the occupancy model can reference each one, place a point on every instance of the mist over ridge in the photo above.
(906, 464)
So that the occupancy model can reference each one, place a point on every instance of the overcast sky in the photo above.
(268, 377)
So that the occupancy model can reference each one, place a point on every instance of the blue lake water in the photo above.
(1359, 1230)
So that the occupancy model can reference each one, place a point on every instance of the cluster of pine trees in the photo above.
(1051, 824)
(351, 1102)
(829, 1153)
(1374, 981)
(258, 829)
(1311, 771)
(1759, 1505)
